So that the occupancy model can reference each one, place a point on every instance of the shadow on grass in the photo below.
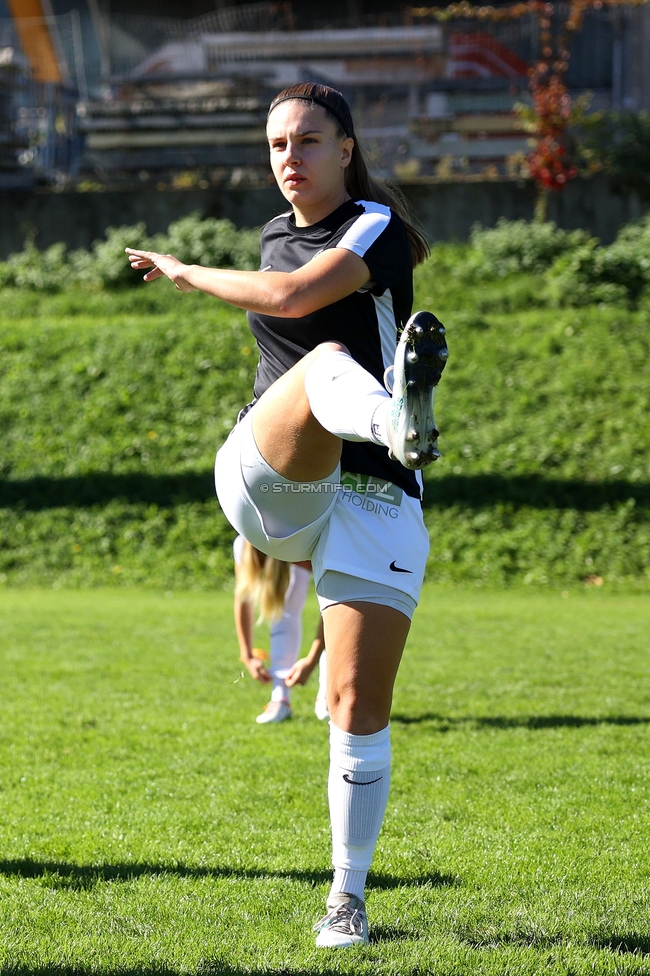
(470, 491)
(632, 942)
(499, 940)
(99, 488)
(390, 933)
(80, 877)
(209, 968)
(531, 491)
(206, 969)
(445, 723)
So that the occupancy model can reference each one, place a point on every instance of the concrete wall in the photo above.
(447, 210)
(639, 67)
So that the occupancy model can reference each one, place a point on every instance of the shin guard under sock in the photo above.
(346, 399)
(359, 781)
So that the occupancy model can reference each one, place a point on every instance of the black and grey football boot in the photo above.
(420, 359)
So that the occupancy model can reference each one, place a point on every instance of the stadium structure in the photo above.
(102, 92)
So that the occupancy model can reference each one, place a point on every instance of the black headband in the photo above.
(319, 101)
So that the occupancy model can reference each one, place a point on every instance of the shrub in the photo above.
(521, 245)
(107, 264)
(210, 242)
(619, 144)
(215, 243)
(614, 274)
(36, 270)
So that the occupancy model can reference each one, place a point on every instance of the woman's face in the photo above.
(308, 158)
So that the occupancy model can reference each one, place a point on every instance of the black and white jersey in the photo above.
(367, 322)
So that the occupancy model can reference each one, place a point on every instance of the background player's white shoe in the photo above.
(345, 924)
(420, 358)
(275, 711)
(321, 708)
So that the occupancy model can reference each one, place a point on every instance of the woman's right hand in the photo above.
(161, 264)
(257, 670)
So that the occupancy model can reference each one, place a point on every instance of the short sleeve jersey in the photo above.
(368, 322)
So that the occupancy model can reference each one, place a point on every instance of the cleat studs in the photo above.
(411, 435)
(412, 356)
(418, 330)
(442, 330)
(412, 456)
(443, 353)
(411, 384)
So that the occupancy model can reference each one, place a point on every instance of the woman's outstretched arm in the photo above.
(325, 279)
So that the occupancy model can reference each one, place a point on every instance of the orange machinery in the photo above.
(30, 18)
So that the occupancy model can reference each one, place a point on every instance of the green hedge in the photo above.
(112, 404)
(216, 243)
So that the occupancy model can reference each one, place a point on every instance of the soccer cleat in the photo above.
(420, 358)
(321, 708)
(345, 924)
(275, 711)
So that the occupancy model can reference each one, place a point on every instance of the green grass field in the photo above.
(148, 826)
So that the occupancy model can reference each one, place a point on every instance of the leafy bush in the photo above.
(107, 264)
(215, 243)
(210, 242)
(521, 245)
(32, 269)
(619, 144)
(614, 274)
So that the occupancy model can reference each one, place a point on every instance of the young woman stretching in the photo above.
(323, 465)
(280, 591)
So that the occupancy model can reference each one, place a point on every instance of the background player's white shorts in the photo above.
(366, 530)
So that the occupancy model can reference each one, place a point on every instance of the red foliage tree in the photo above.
(549, 162)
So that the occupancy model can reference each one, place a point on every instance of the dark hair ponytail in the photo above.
(358, 181)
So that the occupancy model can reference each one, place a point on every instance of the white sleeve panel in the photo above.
(387, 327)
(366, 229)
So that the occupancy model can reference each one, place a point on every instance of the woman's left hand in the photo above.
(161, 264)
(299, 674)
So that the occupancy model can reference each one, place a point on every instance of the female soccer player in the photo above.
(323, 465)
(280, 591)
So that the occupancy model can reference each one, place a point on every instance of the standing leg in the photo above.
(364, 646)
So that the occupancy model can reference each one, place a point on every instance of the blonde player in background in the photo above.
(279, 589)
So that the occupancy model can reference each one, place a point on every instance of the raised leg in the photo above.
(287, 434)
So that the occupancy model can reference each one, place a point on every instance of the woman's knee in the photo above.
(359, 710)
(329, 346)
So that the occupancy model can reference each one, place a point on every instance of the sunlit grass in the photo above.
(148, 825)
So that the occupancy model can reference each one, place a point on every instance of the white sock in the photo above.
(359, 781)
(280, 691)
(346, 399)
(286, 633)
